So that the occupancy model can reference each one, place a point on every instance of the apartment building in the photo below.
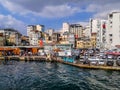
(30, 28)
(11, 36)
(113, 31)
(75, 29)
(1, 39)
(100, 28)
(50, 31)
(87, 31)
(101, 34)
(94, 25)
(35, 37)
(65, 27)
(34, 32)
(56, 37)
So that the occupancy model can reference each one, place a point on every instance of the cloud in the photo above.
(10, 22)
(54, 9)
(58, 11)
(46, 8)
(60, 8)
(101, 10)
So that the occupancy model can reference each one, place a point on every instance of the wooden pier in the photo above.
(59, 60)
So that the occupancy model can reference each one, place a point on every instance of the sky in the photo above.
(18, 14)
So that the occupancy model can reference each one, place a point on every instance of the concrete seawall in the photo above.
(59, 60)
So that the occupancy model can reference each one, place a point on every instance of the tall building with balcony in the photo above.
(35, 38)
(113, 32)
(30, 28)
(65, 27)
(34, 32)
(87, 32)
(100, 28)
(94, 25)
(101, 34)
(75, 29)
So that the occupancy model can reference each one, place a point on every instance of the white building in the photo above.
(113, 32)
(35, 38)
(65, 27)
(34, 27)
(94, 25)
(100, 27)
(101, 34)
(75, 29)
(40, 28)
(71, 39)
(50, 31)
(87, 31)
(30, 28)
(35, 33)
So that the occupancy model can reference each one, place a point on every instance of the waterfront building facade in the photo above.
(94, 25)
(65, 27)
(1, 39)
(56, 37)
(68, 38)
(50, 32)
(101, 34)
(64, 38)
(71, 39)
(48, 48)
(113, 32)
(35, 37)
(29, 29)
(24, 41)
(87, 31)
(35, 33)
(11, 36)
(93, 40)
(64, 47)
(75, 29)
(40, 28)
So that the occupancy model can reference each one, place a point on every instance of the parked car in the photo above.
(101, 62)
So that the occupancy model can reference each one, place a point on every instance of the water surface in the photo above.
(55, 76)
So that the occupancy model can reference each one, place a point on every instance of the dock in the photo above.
(59, 60)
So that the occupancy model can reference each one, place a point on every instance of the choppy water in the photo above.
(55, 76)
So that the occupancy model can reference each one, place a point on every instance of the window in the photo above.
(111, 40)
(110, 35)
(110, 15)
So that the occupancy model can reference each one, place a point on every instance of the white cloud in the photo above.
(54, 8)
(58, 11)
(10, 22)
(101, 11)
(13, 7)
(60, 8)
(40, 8)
